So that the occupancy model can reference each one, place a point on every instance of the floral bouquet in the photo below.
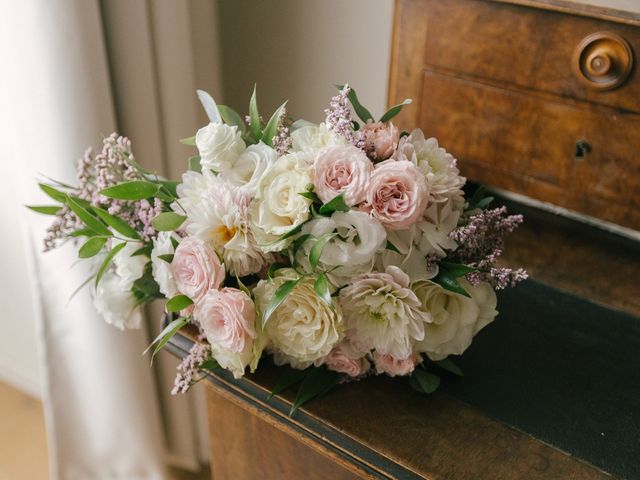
(342, 249)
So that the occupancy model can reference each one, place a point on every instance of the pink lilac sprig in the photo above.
(480, 243)
(189, 372)
(282, 140)
(338, 118)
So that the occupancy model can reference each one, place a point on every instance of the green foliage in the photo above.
(116, 223)
(449, 282)
(194, 164)
(272, 125)
(363, 113)
(336, 204)
(167, 257)
(321, 286)
(231, 117)
(311, 196)
(45, 209)
(134, 190)
(423, 381)
(177, 303)
(316, 251)
(91, 247)
(254, 117)
(456, 269)
(392, 247)
(210, 365)
(163, 338)
(190, 141)
(479, 199)
(449, 366)
(168, 221)
(288, 379)
(53, 193)
(88, 218)
(144, 250)
(281, 294)
(107, 261)
(273, 268)
(395, 110)
(209, 105)
(318, 382)
(146, 288)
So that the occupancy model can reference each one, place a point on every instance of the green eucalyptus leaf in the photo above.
(288, 379)
(177, 303)
(116, 223)
(87, 218)
(449, 366)
(321, 286)
(456, 269)
(334, 205)
(171, 187)
(166, 335)
(168, 221)
(91, 247)
(395, 110)
(209, 105)
(194, 164)
(134, 190)
(107, 261)
(316, 251)
(363, 113)
(254, 116)
(243, 287)
(272, 125)
(281, 294)
(231, 117)
(191, 141)
(289, 234)
(167, 257)
(449, 282)
(45, 209)
(53, 193)
(423, 381)
(318, 382)
(83, 232)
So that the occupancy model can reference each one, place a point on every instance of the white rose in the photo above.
(129, 268)
(351, 251)
(161, 269)
(312, 138)
(455, 318)
(249, 168)
(382, 313)
(219, 145)
(303, 328)
(116, 304)
(439, 167)
(278, 206)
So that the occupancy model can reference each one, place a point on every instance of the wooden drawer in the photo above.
(529, 48)
(535, 140)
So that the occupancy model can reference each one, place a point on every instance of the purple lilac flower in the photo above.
(189, 369)
(339, 118)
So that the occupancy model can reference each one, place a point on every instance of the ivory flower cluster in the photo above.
(328, 246)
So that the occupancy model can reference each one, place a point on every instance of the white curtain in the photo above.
(72, 72)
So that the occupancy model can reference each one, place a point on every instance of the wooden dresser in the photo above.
(537, 97)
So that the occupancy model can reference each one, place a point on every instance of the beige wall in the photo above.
(297, 50)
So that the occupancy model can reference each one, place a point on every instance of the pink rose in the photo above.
(344, 359)
(397, 194)
(342, 169)
(380, 140)
(394, 366)
(227, 317)
(196, 268)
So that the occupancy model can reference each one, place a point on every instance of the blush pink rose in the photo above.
(342, 360)
(227, 317)
(342, 169)
(394, 366)
(196, 268)
(380, 140)
(397, 194)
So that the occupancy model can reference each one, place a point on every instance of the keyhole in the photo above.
(581, 150)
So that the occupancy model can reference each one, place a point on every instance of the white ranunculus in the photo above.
(249, 167)
(381, 312)
(439, 167)
(303, 328)
(312, 138)
(219, 145)
(278, 206)
(217, 212)
(161, 269)
(455, 318)
(116, 304)
(351, 251)
(129, 268)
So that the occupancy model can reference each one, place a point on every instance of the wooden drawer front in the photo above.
(523, 46)
(526, 143)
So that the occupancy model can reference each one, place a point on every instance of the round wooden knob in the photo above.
(603, 60)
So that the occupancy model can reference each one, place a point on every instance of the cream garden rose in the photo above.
(341, 170)
(248, 168)
(312, 138)
(455, 319)
(219, 145)
(382, 313)
(278, 206)
(303, 328)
